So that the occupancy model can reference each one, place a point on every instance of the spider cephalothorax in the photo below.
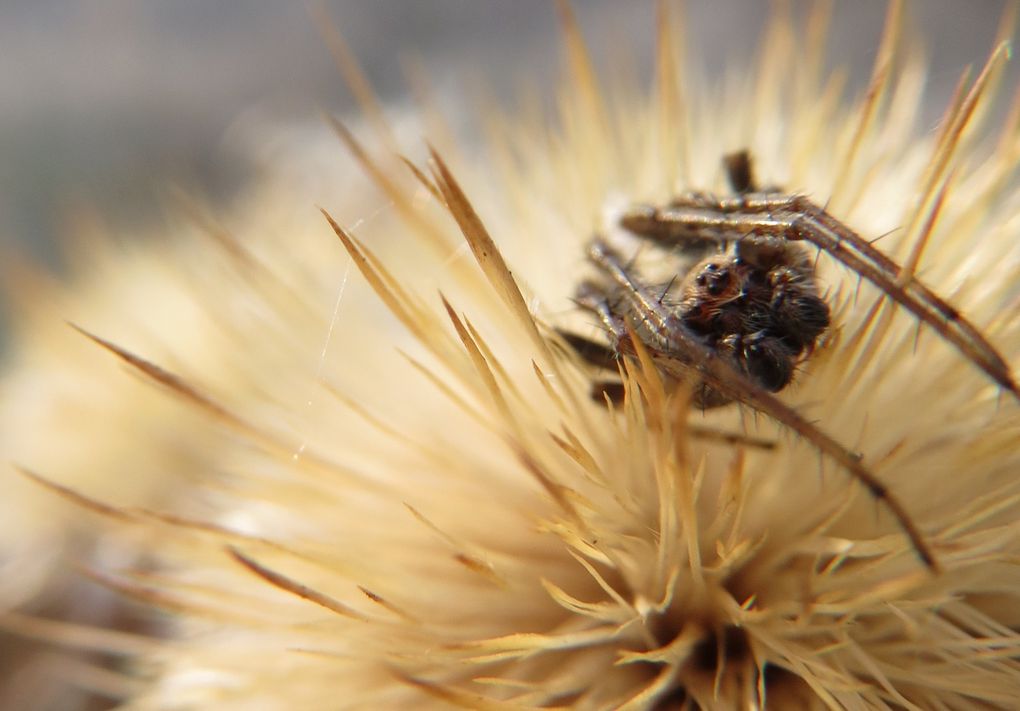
(752, 298)
(735, 325)
(759, 304)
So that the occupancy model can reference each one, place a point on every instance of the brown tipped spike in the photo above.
(478, 360)
(290, 585)
(387, 605)
(424, 180)
(917, 250)
(484, 249)
(388, 186)
(954, 125)
(357, 253)
(68, 635)
(878, 88)
(268, 440)
(163, 377)
(74, 496)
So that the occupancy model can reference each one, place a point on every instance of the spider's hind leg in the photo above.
(804, 221)
(656, 225)
(682, 355)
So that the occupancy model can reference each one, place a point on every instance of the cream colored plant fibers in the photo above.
(393, 490)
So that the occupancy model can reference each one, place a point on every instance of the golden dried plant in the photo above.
(430, 510)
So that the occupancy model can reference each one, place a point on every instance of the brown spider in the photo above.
(742, 318)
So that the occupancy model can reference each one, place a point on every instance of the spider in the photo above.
(734, 326)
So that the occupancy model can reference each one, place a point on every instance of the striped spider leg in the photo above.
(755, 218)
(683, 355)
(738, 322)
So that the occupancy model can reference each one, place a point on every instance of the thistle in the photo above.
(431, 508)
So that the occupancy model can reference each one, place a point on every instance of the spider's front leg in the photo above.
(794, 218)
(810, 223)
(626, 311)
(592, 298)
(681, 354)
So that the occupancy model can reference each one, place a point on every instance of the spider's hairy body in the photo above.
(745, 316)
(756, 218)
(759, 305)
(753, 297)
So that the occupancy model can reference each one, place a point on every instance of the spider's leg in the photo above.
(681, 351)
(601, 356)
(647, 308)
(924, 294)
(809, 221)
(724, 377)
(657, 224)
(593, 299)
(855, 252)
(796, 218)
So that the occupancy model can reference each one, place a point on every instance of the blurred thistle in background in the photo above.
(345, 500)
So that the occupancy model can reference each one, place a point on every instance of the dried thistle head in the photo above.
(431, 509)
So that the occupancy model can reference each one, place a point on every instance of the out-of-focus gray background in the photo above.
(104, 101)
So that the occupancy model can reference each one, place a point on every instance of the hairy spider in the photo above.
(736, 323)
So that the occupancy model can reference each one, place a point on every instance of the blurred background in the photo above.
(102, 102)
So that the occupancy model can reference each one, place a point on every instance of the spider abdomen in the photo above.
(757, 306)
(762, 357)
(800, 318)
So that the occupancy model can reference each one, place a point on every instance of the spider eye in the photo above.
(718, 281)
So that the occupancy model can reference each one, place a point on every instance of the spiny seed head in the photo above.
(430, 508)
